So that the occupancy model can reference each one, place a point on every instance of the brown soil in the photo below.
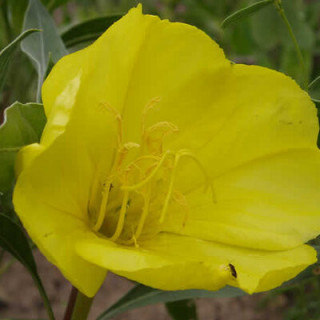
(21, 299)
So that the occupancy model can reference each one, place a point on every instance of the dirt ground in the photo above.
(21, 299)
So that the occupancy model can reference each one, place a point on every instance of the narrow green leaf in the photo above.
(38, 46)
(182, 310)
(13, 240)
(314, 83)
(23, 125)
(6, 54)
(245, 12)
(315, 100)
(141, 296)
(88, 31)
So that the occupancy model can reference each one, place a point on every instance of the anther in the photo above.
(116, 114)
(149, 106)
(154, 135)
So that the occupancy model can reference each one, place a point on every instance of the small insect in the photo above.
(233, 270)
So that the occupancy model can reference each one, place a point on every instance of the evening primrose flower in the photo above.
(164, 163)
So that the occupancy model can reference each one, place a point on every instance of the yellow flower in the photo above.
(164, 163)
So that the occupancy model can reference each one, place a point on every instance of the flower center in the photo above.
(133, 201)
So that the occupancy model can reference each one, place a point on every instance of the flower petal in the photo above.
(270, 204)
(51, 199)
(59, 93)
(155, 269)
(137, 59)
(164, 262)
(272, 115)
(55, 233)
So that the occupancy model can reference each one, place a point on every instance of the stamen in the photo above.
(155, 143)
(182, 201)
(143, 216)
(135, 165)
(149, 106)
(118, 118)
(170, 189)
(209, 183)
(179, 155)
(122, 216)
(143, 182)
(103, 206)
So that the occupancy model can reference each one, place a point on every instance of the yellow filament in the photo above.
(179, 155)
(118, 118)
(134, 164)
(103, 207)
(143, 216)
(152, 174)
(122, 216)
(170, 189)
(209, 183)
(182, 201)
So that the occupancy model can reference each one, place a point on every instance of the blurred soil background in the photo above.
(19, 299)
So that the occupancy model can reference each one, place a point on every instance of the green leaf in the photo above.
(182, 310)
(23, 125)
(53, 4)
(141, 296)
(39, 46)
(6, 54)
(245, 12)
(88, 31)
(314, 83)
(13, 240)
(269, 31)
(15, 12)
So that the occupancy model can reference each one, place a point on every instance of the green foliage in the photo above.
(13, 240)
(245, 12)
(7, 53)
(23, 125)
(182, 310)
(141, 296)
(39, 46)
(88, 31)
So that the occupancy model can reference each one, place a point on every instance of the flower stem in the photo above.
(78, 306)
(283, 15)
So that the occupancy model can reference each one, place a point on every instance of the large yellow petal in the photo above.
(271, 203)
(172, 262)
(163, 270)
(55, 232)
(51, 198)
(137, 59)
(225, 114)
(272, 115)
